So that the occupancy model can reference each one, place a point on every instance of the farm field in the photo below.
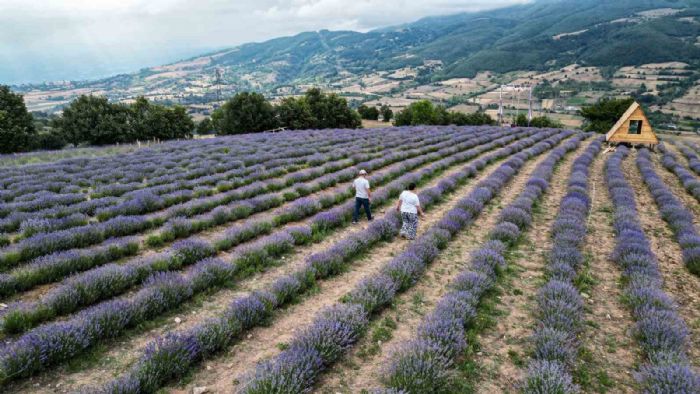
(543, 263)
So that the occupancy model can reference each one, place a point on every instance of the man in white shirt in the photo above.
(362, 196)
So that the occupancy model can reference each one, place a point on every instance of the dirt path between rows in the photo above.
(679, 283)
(608, 336)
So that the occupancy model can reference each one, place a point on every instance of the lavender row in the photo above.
(673, 211)
(661, 332)
(693, 159)
(342, 157)
(153, 171)
(19, 317)
(113, 279)
(47, 268)
(179, 226)
(146, 202)
(560, 315)
(78, 237)
(304, 207)
(687, 179)
(157, 197)
(166, 158)
(45, 243)
(339, 327)
(64, 340)
(174, 191)
(188, 348)
(427, 361)
(56, 266)
(158, 165)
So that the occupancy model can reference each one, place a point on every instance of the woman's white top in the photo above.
(409, 202)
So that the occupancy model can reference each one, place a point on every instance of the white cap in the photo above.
(363, 172)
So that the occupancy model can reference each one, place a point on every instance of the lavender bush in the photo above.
(673, 211)
(660, 330)
(426, 363)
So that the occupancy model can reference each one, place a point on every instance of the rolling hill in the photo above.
(539, 36)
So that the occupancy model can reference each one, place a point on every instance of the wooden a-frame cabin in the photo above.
(633, 128)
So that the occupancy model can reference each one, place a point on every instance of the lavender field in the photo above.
(543, 264)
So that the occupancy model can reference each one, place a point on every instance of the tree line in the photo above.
(88, 120)
(94, 120)
(250, 112)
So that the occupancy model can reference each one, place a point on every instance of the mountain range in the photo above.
(538, 36)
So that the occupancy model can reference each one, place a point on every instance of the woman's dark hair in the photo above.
(411, 186)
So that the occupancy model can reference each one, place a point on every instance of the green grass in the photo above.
(380, 332)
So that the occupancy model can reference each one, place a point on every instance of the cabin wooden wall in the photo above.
(646, 137)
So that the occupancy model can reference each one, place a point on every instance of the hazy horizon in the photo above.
(47, 40)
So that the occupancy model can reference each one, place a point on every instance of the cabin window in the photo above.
(635, 127)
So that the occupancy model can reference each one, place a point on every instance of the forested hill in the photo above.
(539, 35)
(536, 36)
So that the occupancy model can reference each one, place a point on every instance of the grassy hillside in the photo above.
(513, 38)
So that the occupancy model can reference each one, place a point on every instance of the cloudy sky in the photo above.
(80, 39)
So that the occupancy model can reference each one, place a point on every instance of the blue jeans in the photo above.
(364, 202)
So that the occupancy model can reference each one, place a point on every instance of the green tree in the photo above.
(94, 120)
(441, 116)
(205, 126)
(152, 121)
(418, 113)
(295, 113)
(387, 113)
(521, 120)
(244, 113)
(473, 119)
(138, 120)
(368, 113)
(16, 124)
(176, 123)
(601, 116)
(537, 121)
(545, 122)
(331, 110)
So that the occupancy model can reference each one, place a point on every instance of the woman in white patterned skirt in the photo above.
(410, 209)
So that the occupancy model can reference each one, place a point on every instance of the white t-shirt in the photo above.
(361, 188)
(409, 202)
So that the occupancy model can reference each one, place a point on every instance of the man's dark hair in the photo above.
(411, 186)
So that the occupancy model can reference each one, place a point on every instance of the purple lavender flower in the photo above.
(294, 371)
(549, 377)
(418, 367)
(669, 379)
(373, 292)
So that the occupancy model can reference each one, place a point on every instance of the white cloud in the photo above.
(62, 39)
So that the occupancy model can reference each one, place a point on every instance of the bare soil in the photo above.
(608, 338)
